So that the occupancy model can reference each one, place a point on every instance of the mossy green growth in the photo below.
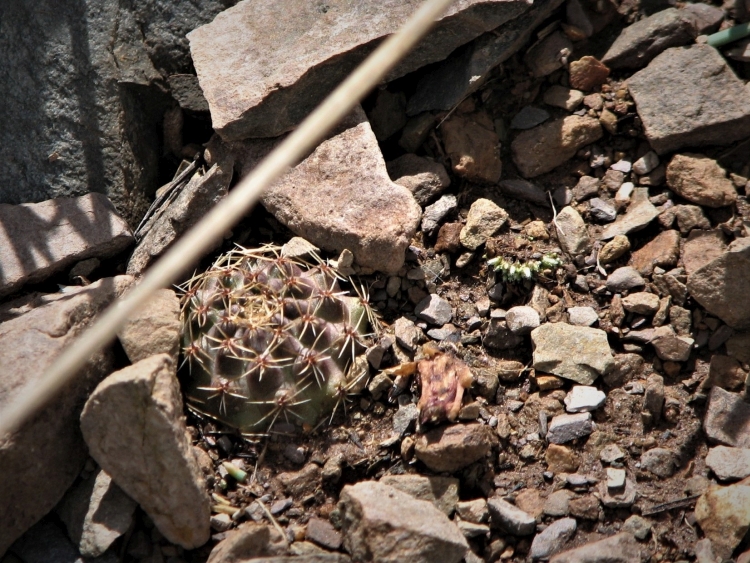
(270, 338)
(513, 272)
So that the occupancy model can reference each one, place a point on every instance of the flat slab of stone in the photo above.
(620, 548)
(317, 201)
(135, 429)
(381, 523)
(701, 180)
(640, 42)
(264, 66)
(717, 285)
(440, 491)
(578, 353)
(727, 419)
(689, 96)
(729, 463)
(28, 346)
(639, 214)
(40, 239)
(453, 447)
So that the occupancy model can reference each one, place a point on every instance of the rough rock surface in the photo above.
(701, 180)
(134, 428)
(96, 512)
(639, 214)
(248, 541)
(727, 419)
(544, 148)
(620, 548)
(511, 518)
(375, 222)
(453, 447)
(473, 148)
(723, 513)
(440, 491)
(573, 352)
(662, 251)
(423, 177)
(197, 197)
(485, 218)
(28, 346)
(155, 329)
(381, 523)
(640, 42)
(717, 284)
(689, 96)
(75, 122)
(264, 66)
(729, 463)
(572, 232)
(40, 239)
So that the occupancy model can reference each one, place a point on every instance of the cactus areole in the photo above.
(268, 338)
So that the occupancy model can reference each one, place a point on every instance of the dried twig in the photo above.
(187, 250)
(671, 505)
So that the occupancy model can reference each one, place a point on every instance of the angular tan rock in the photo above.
(453, 447)
(135, 430)
(717, 285)
(662, 251)
(473, 147)
(547, 146)
(701, 180)
(341, 197)
(620, 548)
(43, 459)
(264, 65)
(574, 352)
(39, 239)
(723, 513)
(485, 218)
(701, 247)
(381, 523)
(248, 541)
(155, 329)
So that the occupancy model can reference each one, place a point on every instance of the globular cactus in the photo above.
(271, 338)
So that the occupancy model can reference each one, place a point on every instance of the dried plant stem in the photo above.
(225, 214)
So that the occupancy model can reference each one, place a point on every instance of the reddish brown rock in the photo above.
(449, 238)
(547, 146)
(701, 180)
(453, 447)
(701, 247)
(587, 73)
(39, 239)
(663, 251)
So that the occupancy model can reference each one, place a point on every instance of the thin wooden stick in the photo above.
(187, 250)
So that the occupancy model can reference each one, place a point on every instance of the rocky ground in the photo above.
(607, 417)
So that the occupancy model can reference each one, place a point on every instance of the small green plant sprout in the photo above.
(514, 272)
(269, 338)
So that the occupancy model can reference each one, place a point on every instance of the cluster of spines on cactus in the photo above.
(268, 338)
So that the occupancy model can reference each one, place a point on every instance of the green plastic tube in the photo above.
(728, 35)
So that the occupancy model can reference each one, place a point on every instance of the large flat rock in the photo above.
(381, 523)
(340, 197)
(689, 96)
(720, 285)
(40, 239)
(42, 460)
(578, 353)
(264, 65)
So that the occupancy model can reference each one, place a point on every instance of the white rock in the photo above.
(582, 316)
(583, 398)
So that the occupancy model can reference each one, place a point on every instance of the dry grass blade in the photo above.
(226, 214)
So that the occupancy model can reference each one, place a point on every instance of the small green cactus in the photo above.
(512, 272)
(270, 338)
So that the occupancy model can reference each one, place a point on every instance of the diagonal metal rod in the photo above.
(224, 215)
